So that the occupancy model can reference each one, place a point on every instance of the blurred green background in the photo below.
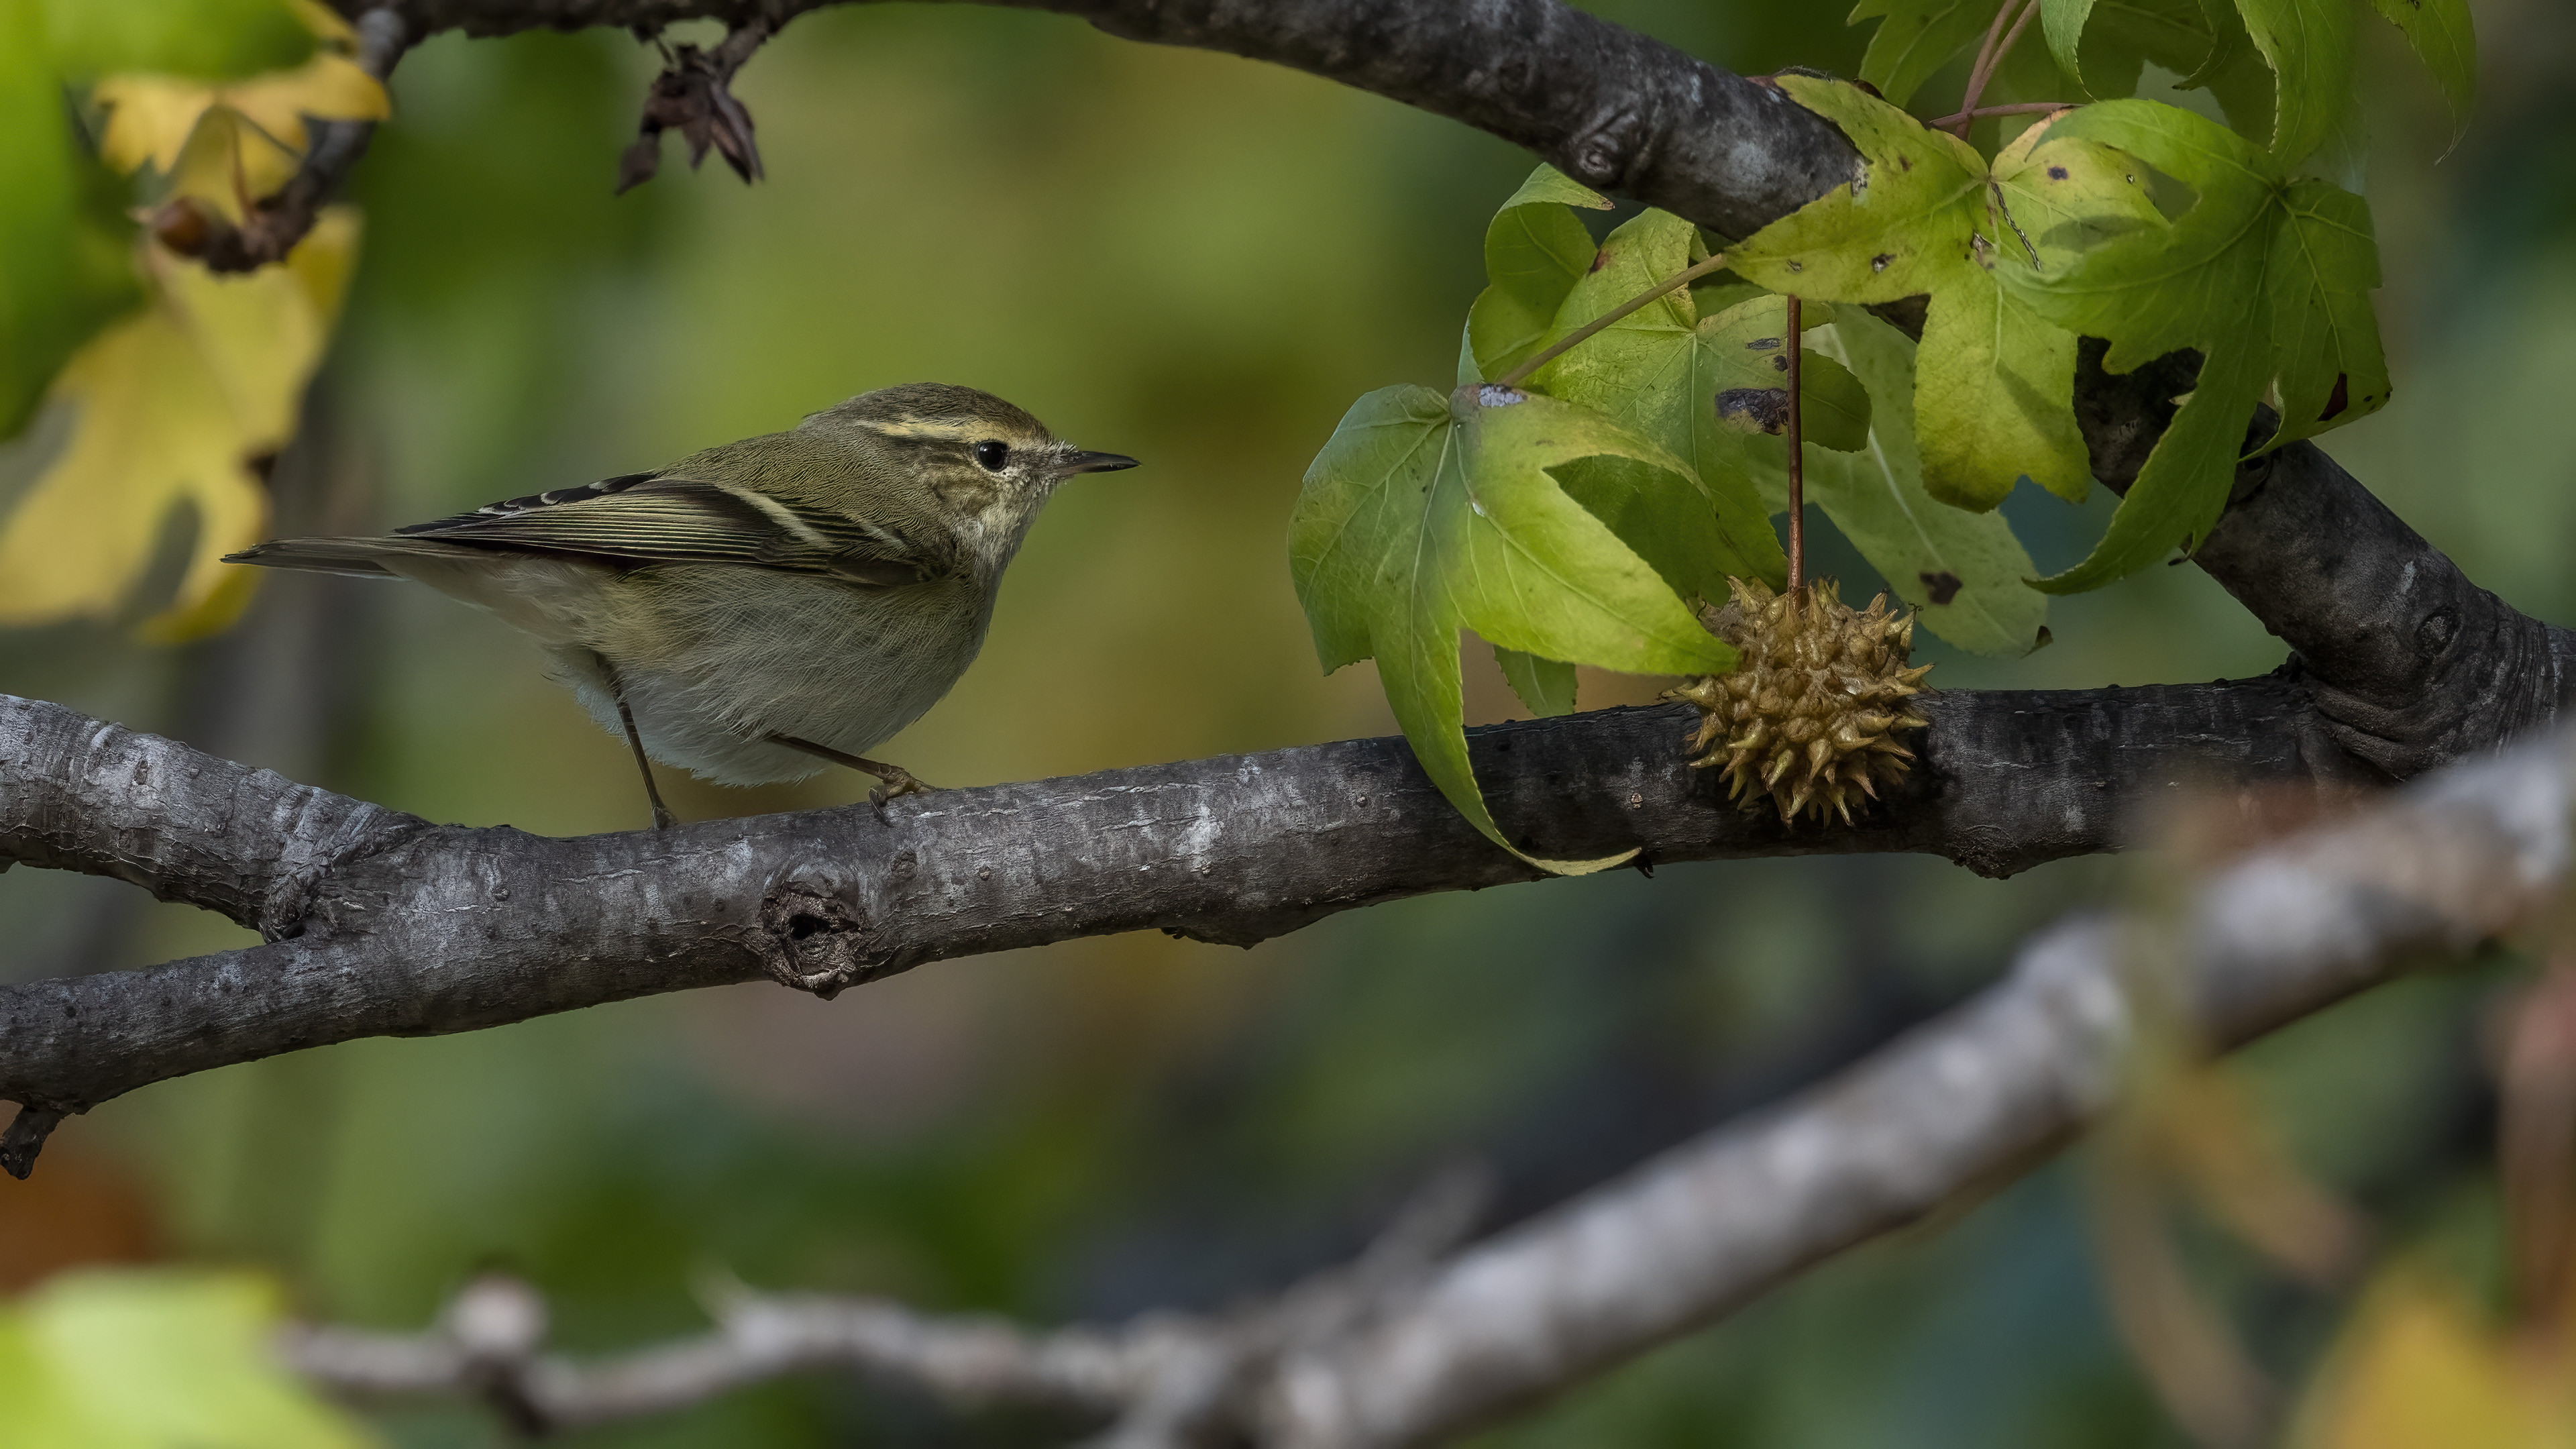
(1200, 261)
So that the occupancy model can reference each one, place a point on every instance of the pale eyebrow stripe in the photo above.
(780, 514)
(954, 432)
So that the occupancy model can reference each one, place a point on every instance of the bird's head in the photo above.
(977, 456)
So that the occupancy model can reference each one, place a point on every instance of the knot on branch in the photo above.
(813, 940)
(1602, 155)
(694, 96)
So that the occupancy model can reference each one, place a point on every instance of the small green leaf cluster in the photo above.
(1585, 514)
(2156, 228)
(1589, 511)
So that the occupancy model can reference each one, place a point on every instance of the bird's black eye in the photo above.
(992, 453)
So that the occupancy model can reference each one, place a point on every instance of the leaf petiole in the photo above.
(1990, 58)
(1797, 461)
(1562, 345)
(2018, 108)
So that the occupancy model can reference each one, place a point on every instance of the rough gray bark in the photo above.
(1369, 1357)
(381, 924)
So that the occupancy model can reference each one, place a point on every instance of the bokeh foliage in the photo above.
(1199, 261)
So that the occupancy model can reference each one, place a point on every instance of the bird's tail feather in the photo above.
(359, 557)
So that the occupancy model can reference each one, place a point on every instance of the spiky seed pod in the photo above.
(1810, 716)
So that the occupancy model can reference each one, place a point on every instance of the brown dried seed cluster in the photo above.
(1810, 717)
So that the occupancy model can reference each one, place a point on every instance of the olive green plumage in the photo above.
(757, 609)
(1810, 717)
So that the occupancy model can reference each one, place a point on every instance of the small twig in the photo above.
(1163, 1379)
(1994, 34)
(1991, 57)
(1562, 345)
(2018, 108)
(1797, 465)
(25, 1138)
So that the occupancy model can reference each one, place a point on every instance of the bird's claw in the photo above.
(900, 782)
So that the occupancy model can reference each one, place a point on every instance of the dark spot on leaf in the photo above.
(1879, 263)
(1797, 266)
(1758, 409)
(1780, 363)
(1904, 160)
(1600, 259)
(1943, 586)
(1762, 344)
(2337, 400)
(2056, 173)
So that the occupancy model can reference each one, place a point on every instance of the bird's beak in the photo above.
(1095, 463)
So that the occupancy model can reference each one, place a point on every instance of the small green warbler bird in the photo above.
(755, 610)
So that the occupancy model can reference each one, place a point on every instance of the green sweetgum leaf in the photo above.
(1427, 514)
(2266, 276)
(157, 1360)
(1663, 374)
(2106, 44)
(1964, 573)
(2446, 41)
(1929, 215)
(2309, 46)
(1545, 685)
(1741, 355)
(1535, 251)
(1915, 38)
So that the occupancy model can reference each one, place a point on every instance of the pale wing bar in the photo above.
(650, 519)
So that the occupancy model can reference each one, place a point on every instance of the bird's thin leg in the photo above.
(892, 780)
(663, 819)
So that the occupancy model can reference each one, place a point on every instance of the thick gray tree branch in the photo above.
(383, 924)
(1405, 1347)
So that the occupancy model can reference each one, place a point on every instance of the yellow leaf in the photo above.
(2416, 1367)
(173, 407)
(158, 1359)
(228, 161)
(159, 120)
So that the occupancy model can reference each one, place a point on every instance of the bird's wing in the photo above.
(651, 518)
